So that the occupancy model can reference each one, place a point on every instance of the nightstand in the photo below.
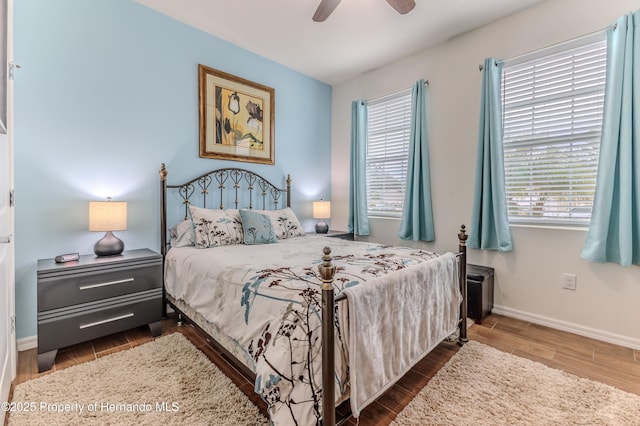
(96, 296)
(343, 235)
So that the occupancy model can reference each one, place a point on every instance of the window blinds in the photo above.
(552, 116)
(388, 132)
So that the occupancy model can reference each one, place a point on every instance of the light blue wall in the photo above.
(107, 90)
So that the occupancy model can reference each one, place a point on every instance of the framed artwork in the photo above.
(236, 118)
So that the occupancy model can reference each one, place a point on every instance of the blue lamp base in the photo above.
(322, 227)
(109, 245)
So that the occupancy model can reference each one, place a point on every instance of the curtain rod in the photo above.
(556, 45)
(426, 83)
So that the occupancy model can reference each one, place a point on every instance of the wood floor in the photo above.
(584, 357)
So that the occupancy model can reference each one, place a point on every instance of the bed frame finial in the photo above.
(163, 172)
(327, 270)
(462, 235)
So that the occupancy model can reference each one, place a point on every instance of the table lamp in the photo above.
(108, 216)
(322, 210)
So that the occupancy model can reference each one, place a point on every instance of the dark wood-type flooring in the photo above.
(582, 356)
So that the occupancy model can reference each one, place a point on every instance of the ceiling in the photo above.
(359, 36)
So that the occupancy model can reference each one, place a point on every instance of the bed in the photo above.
(314, 320)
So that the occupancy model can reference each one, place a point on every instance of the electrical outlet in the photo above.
(569, 281)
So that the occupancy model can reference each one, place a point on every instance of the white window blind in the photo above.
(389, 126)
(552, 117)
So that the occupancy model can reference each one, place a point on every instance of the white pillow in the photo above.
(216, 227)
(182, 235)
(284, 222)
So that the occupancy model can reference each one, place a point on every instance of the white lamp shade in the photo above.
(321, 209)
(107, 216)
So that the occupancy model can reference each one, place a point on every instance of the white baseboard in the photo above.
(27, 343)
(605, 336)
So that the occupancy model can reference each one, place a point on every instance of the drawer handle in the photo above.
(88, 287)
(93, 324)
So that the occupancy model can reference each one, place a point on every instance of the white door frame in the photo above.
(8, 370)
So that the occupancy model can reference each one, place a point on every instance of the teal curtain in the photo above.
(358, 216)
(417, 214)
(614, 231)
(489, 228)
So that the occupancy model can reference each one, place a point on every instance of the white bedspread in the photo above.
(267, 300)
(394, 321)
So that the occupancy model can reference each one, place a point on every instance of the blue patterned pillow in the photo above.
(257, 228)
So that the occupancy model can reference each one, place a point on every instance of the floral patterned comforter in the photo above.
(267, 300)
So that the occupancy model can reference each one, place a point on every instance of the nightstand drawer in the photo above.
(72, 289)
(91, 320)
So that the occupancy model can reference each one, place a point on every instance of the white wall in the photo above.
(528, 279)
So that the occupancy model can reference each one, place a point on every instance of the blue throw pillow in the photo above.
(257, 228)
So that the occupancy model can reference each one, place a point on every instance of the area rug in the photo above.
(164, 382)
(484, 386)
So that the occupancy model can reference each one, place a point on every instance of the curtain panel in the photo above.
(417, 213)
(614, 231)
(358, 216)
(489, 228)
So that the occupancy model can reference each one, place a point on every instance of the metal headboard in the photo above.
(244, 186)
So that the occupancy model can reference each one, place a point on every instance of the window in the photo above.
(389, 127)
(552, 117)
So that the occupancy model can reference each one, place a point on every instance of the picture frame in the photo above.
(236, 118)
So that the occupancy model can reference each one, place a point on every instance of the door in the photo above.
(8, 354)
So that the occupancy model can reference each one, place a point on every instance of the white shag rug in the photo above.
(481, 385)
(164, 382)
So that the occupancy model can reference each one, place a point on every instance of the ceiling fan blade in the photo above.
(402, 6)
(324, 10)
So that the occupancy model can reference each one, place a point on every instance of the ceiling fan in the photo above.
(327, 6)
